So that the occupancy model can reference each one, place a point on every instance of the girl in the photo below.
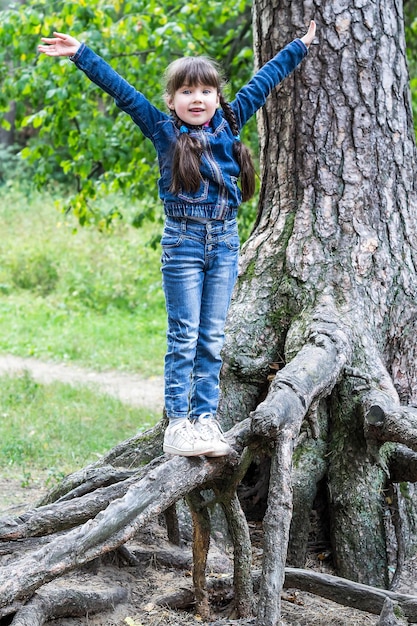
(201, 159)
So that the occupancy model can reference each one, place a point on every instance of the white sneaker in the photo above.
(209, 428)
(182, 438)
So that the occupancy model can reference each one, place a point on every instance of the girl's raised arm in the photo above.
(60, 45)
(310, 34)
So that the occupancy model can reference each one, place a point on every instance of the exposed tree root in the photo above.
(54, 602)
(387, 617)
(311, 374)
(163, 483)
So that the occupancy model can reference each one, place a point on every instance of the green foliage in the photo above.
(36, 272)
(67, 126)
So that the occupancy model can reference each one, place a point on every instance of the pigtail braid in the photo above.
(242, 153)
(186, 160)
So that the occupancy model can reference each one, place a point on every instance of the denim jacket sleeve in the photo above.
(126, 97)
(253, 95)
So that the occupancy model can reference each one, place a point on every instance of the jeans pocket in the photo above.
(172, 236)
(232, 242)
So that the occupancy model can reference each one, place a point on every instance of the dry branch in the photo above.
(242, 556)
(201, 543)
(338, 590)
(62, 514)
(173, 556)
(387, 421)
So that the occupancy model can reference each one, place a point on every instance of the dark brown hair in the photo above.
(186, 173)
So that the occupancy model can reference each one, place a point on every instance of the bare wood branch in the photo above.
(179, 557)
(386, 420)
(62, 515)
(276, 525)
(242, 556)
(311, 374)
(340, 590)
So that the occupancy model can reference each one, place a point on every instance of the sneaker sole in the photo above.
(216, 453)
(171, 450)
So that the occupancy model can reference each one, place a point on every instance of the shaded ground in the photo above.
(150, 580)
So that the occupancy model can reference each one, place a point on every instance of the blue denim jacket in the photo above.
(219, 195)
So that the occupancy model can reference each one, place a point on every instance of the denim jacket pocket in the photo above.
(199, 196)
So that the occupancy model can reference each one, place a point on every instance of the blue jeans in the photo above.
(199, 270)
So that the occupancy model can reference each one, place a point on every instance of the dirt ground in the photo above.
(147, 582)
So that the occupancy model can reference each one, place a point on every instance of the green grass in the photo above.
(54, 429)
(77, 294)
(80, 296)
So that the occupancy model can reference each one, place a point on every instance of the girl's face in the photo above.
(194, 105)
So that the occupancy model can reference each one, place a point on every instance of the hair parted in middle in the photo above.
(186, 173)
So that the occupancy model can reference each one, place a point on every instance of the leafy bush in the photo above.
(34, 271)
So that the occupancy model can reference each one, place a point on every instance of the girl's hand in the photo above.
(59, 46)
(311, 33)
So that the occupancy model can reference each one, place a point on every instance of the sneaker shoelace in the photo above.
(208, 426)
(187, 430)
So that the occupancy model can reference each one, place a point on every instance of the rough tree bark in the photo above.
(327, 291)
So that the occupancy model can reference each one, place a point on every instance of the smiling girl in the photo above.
(201, 159)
